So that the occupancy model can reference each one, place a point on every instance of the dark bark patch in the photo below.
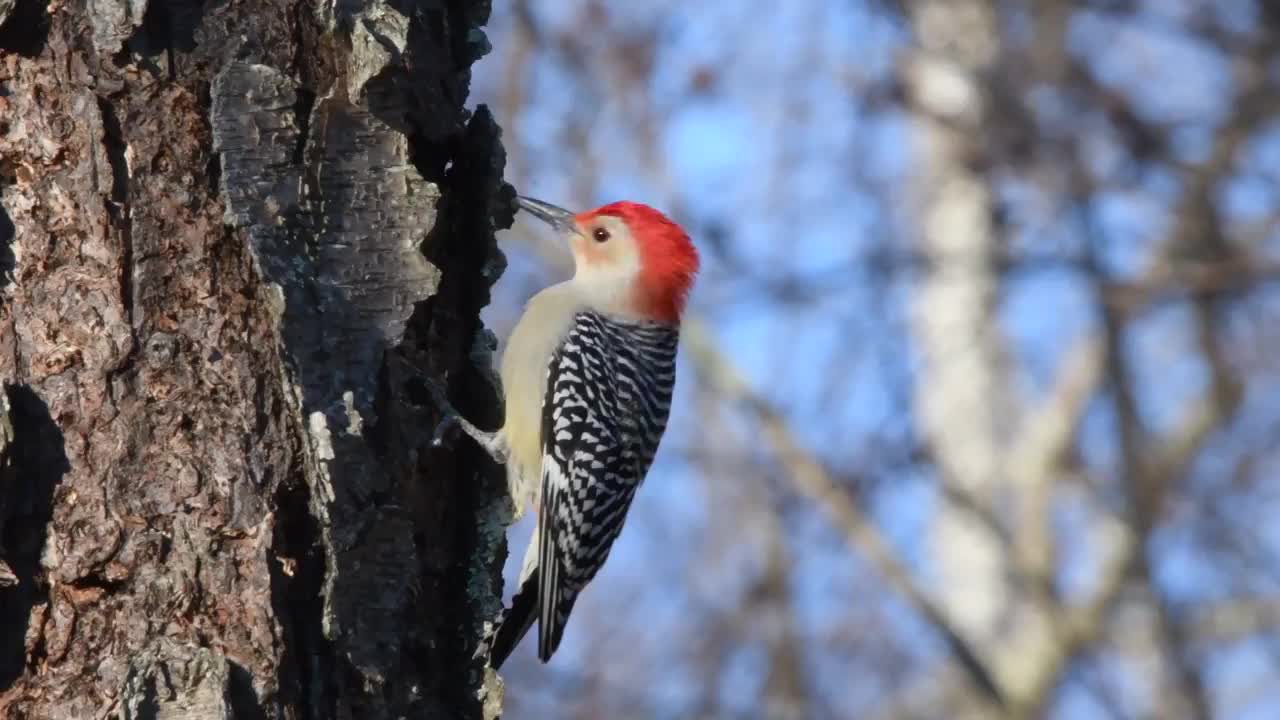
(473, 177)
(169, 27)
(27, 29)
(302, 107)
(31, 467)
(445, 334)
(115, 146)
(149, 704)
(297, 587)
(241, 696)
(8, 261)
(118, 201)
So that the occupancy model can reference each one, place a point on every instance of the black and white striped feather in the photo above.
(608, 395)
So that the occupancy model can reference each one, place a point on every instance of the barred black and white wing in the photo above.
(608, 395)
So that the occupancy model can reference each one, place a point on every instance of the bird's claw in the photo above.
(451, 422)
(448, 425)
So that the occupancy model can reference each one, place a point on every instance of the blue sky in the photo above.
(783, 147)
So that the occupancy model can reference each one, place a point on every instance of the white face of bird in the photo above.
(629, 259)
(605, 255)
(606, 260)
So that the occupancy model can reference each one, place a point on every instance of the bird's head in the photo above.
(628, 258)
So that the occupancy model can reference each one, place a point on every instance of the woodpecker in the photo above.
(588, 373)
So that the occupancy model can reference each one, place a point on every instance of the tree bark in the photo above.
(238, 240)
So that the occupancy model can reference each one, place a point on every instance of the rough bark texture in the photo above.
(238, 240)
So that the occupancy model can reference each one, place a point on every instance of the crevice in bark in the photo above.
(416, 391)
(149, 706)
(31, 468)
(301, 36)
(27, 29)
(241, 696)
(432, 160)
(96, 580)
(8, 172)
(297, 583)
(306, 101)
(168, 26)
(316, 52)
(8, 261)
(118, 202)
(213, 173)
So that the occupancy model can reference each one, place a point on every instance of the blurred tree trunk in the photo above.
(993, 453)
(962, 391)
(238, 239)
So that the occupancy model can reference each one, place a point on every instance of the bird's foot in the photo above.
(451, 420)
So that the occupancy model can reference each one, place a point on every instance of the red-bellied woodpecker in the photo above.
(588, 374)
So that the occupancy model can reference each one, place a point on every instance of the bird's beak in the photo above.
(557, 217)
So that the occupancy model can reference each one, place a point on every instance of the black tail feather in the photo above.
(516, 621)
(560, 620)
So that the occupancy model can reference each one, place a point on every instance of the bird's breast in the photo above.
(547, 318)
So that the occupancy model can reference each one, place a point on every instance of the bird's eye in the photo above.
(600, 234)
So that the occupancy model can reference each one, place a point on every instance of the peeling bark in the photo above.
(240, 240)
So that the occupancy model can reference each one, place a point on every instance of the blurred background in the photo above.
(978, 413)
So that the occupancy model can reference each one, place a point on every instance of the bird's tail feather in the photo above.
(559, 622)
(516, 621)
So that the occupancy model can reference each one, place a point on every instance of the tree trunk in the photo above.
(960, 391)
(967, 403)
(238, 240)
